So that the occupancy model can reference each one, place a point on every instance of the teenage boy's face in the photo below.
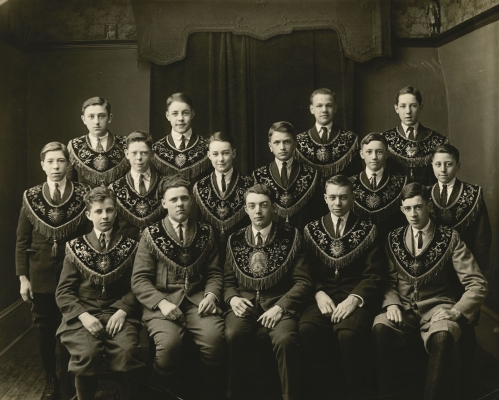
(259, 209)
(102, 214)
(96, 119)
(55, 165)
(417, 211)
(339, 199)
(283, 145)
(323, 108)
(178, 202)
(408, 109)
(445, 167)
(180, 116)
(139, 155)
(374, 154)
(221, 156)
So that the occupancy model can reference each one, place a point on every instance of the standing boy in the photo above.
(411, 144)
(100, 315)
(97, 158)
(137, 198)
(266, 283)
(51, 214)
(293, 183)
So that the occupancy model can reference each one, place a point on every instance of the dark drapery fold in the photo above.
(243, 85)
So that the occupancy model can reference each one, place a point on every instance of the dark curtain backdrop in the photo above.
(243, 85)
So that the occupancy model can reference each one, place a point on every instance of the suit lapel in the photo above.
(67, 191)
(295, 168)
(192, 140)
(315, 135)
(189, 232)
(334, 132)
(327, 220)
(232, 182)
(365, 180)
(94, 240)
(169, 228)
(113, 239)
(384, 178)
(455, 191)
(436, 193)
(275, 173)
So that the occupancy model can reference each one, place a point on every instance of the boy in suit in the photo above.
(347, 264)
(293, 183)
(426, 262)
(97, 158)
(266, 283)
(411, 144)
(179, 282)
(100, 315)
(51, 214)
(137, 198)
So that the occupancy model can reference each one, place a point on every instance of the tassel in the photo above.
(336, 274)
(103, 293)
(257, 301)
(54, 248)
(186, 282)
(287, 220)
(222, 236)
(412, 174)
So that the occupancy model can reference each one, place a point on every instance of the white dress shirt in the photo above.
(288, 166)
(177, 137)
(176, 227)
(227, 178)
(320, 131)
(107, 236)
(264, 233)
(417, 251)
(136, 179)
(450, 187)
(379, 175)
(415, 126)
(62, 187)
(343, 222)
(103, 141)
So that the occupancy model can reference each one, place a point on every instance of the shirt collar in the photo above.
(178, 136)
(289, 162)
(175, 223)
(95, 138)
(370, 173)
(415, 126)
(344, 218)
(228, 174)
(136, 175)
(264, 232)
(450, 185)
(107, 233)
(425, 229)
(62, 184)
(319, 127)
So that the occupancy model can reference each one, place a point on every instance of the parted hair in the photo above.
(282, 126)
(174, 181)
(339, 180)
(96, 101)
(181, 98)
(409, 90)
(98, 195)
(446, 148)
(322, 91)
(374, 137)
(221, 137)
(139, 136)
(54, 146)
(260, 188)
(414, 189)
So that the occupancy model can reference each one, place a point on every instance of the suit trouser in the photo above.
(284, 337)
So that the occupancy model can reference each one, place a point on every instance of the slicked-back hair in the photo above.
(174, 181)
(322, 91)
(180, 98)
(446, 148)
(339, 180)
(54, 146)
(98, 195)
(260, 188)
(282, 126)
(221, 137)
(96, 101)
(374, 137)
(414, 189)
(409, 90)
(139, 136)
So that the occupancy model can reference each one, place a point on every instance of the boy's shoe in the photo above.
(51, 391)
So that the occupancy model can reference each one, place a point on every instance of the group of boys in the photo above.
(321, 263)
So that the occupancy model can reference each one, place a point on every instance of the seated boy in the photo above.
(411, 144)
(100, 315)
(177, 279)
(52, 213)
(97, 158)
(137, 199)
(426, 260)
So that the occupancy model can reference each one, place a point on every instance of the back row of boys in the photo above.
(176, 274)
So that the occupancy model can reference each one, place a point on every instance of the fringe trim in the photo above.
(470, 218)
(347, 259)
(290, 211)
(141, 223)
(268, 281)
(411, 162)
(189, 172)
(377, 215)
(93, 276)
(172, 265)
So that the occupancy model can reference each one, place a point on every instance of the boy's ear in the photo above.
(167, 114)
(396, 108)
(110, 118)
(311, 108)
(87, 213)
(82, 118)
(234, 153)
(192, 114)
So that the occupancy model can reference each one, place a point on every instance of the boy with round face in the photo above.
(183, 252)
(293, 183)
(266, 283)
(100, 313)
(411, 144)
(346, 263)
(327, 147)
(97, 158)
(425, 260)
(51, 214)
(182, 150)
(138, 201)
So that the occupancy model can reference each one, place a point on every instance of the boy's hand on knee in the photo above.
(170, 310)
(91, 324)
(208, 305)
(115, 323)
(394, 314)
(271, 317)
(240, 306)
(345, 309)
(325, 303)
(443, 313)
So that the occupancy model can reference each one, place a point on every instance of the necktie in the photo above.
(324, 135)
(56, 197)
(411, 132)
(420, 239)
(99, 145)
(259, 239)
(181, 233)
(142, 185)
(373, 181)
(443, 196)
(102, 241)
(284, 175)
(182, 143)
(224, 185)
(338, 228)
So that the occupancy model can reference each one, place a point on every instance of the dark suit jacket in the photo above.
(76, 294)
(291, 292)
